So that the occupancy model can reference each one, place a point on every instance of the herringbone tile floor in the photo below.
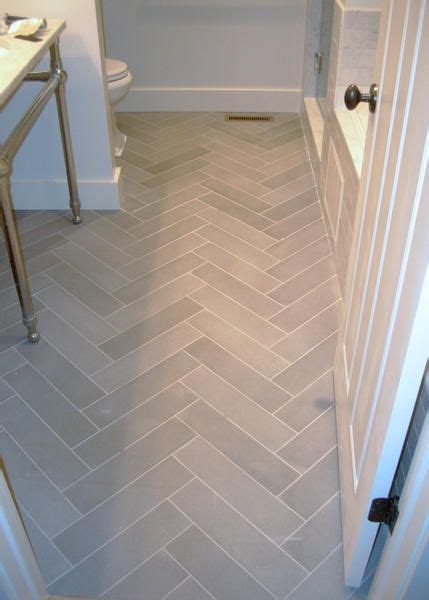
(173, 434)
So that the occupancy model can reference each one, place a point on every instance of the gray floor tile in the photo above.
(308, 306)
(5, 390)
(299, 262)
(308, 368)
(173, 187)
(253, 458)
(140, 334)
(310, 544)
(156, 279)
(179, 159)
(315, 487)
(240, 292)
(288, 176)
(122, 555)
(165, 236)
(71, 382)
(293, 205)
(236, 181)
(239, 344)
(157, 576)
(257, 328)
(13, 314)
(127, 430)
(238, 408)
(99, 247)
(227, 163)
(35, 266)
(133, 394)
(112, 476)
(236, 211)
(37, 283)
(310, 404)
(111, 233)
(121, 219)
(298, 220)
(71, 344)
(61, 416)
(290, 190)
(312, 443)
(156, 208)
(236, 195)
(227, 240)
(250, 235)
(155, 301)
(175, 173)
(144, 358)
(309, 335)
(10, 360)
(303, 283)
(235, 372)
(269, 514)
(299, 240)
(121, 510)
(189, 590)
(46, 449)
(216, 571)
(243, 542)
(169, 252)
(85, 290)
(168, 218)
(47, 506)
(245, 272)
(76, 314)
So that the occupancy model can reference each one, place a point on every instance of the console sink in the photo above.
(4, 48)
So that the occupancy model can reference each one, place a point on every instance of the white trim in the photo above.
(95, 194)
(213, 99)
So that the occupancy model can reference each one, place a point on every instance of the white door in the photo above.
(381, 357)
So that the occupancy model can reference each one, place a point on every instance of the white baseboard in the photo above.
(213, 100)
(54, 194)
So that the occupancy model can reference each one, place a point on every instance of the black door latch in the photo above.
(385, 510)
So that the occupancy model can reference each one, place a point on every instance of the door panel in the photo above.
(387, 267)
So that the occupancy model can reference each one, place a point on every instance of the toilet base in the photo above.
(119, 138)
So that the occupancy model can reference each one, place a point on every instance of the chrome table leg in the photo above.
(57, 68)
(13, 244)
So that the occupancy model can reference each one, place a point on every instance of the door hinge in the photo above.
(385, 510)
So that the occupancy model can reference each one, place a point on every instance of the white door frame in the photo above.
(403, 569)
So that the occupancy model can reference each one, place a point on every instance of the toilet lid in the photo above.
(116, 69)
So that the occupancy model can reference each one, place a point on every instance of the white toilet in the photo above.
(119, 81)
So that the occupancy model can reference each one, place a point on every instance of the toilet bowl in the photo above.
(119, 81)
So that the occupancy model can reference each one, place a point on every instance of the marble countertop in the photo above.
(19, 57)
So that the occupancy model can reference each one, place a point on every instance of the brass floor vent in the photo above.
(249, 118)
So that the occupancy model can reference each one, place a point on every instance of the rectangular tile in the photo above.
(71, 344)
(167, 203)
(139, 390)
(157, 576)
(264, 466)
(158, 258)
(227, 163)
(243, 249)
(85, 290)
(121, 510)
(144, 358)
(155, 279)
(76, 314)
(269, 514)
(243, 271)
(284, 150)
(299, 262)
(308, 306)
(309, 335)
(300, 285)
(165, 236)
(295, 134)
(236, 195)
(309, 368)
(122, 555)
(253, 237)
(61, 416)
(299, 240)
(216, 571)
(34, 267)
(236, 211)
(189, 590)
(288, 176)
(71, 382)
(175, 173)
(5, 390)
(238, 291)
(259, 556)
(13, 314)
(243, 347)
(10, 360)
(89, 266)
(166, 219)
(121, 218)
(228, 152)
(133, 426)
(308, 493)
(238, 374)
(287, 192)
(285, 163)
(37, 283)
(103, 250)
(155, 301)
(235, 180)
(46, 505)
(177, 160)
(111, 233)
(293, 205)
(309, 404)
(173, 187)
(47, 450)
(140, 334)
(112, 476)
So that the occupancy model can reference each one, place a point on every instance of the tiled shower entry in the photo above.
(173, 434)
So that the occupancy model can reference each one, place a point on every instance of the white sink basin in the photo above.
(4, 48)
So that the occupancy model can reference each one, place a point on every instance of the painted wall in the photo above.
(210, 54)
(39, 179)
